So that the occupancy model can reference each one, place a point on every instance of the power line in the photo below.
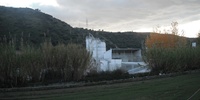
(194, 94)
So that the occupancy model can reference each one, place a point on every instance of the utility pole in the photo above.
(86, 23)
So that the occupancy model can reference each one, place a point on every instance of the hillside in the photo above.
(34, 26)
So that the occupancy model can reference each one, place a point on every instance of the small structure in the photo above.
(194, 44)
(117, 58)
(127, 54)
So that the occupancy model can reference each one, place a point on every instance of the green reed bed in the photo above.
(44, 64)
(167, 60)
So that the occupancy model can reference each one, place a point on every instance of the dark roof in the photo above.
(192, 39)
(125, 50)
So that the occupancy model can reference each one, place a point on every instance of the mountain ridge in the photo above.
(33, 25)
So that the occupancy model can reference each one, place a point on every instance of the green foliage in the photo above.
(8, 65)
(167, 60)
(45, 64)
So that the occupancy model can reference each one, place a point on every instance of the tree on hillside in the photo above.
(166, 40)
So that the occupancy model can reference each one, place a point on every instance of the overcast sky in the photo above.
(120, 15)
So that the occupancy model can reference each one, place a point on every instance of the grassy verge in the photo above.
(172, 88)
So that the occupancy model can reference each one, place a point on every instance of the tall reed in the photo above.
(46, 63)
(167, 60)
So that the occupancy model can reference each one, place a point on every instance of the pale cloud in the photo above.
(28, 3)
(15, 3)
(132, 13)
(122, 15)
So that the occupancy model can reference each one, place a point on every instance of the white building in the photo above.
(128, 59)
(194, 44)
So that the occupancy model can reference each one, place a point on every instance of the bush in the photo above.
(168, 53)
(167, 60)
(45, 64)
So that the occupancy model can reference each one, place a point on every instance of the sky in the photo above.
(120, 15)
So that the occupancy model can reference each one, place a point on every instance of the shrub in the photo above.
(44, 64)
(163, 60)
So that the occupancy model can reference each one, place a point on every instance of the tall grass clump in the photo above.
(8, 65)
(30, 63)
(44, 64)
(167, 60)
(69, 62)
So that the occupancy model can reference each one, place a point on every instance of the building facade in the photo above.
(116, 58)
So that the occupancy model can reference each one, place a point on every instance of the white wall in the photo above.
(108, 55)
(115, 64)
(96, 47)
(101, 49)
(104, 65)
(194, 44)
